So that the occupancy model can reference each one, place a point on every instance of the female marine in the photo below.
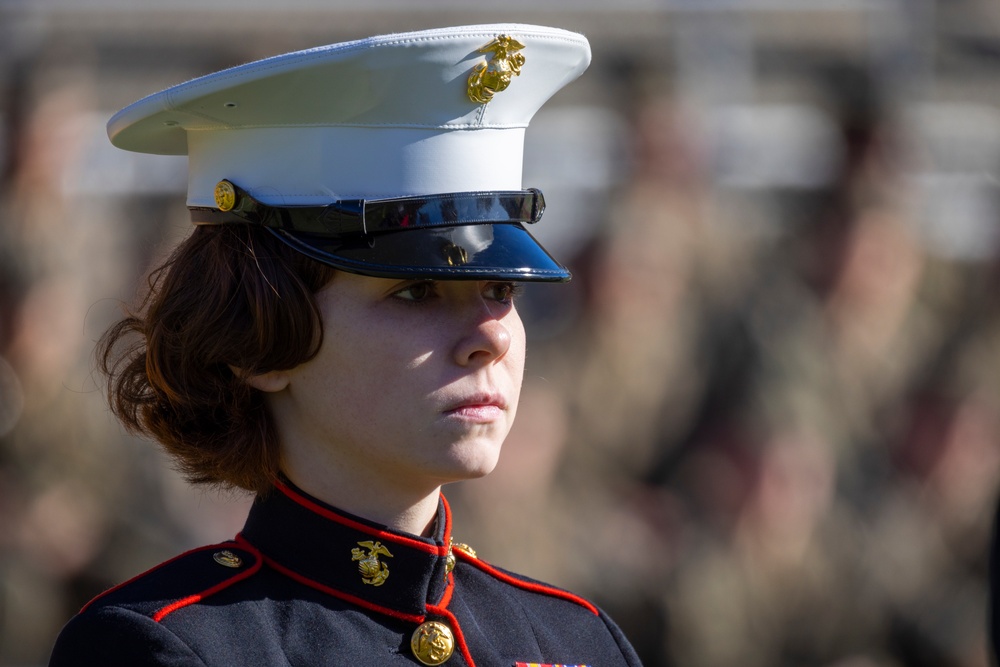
(339, 337)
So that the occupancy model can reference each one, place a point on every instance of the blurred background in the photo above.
(761, 425)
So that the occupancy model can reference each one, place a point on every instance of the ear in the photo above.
(269, 382)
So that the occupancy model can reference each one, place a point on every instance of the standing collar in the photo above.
(350, 557)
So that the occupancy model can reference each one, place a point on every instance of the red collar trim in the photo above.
(312, 506)
(341, 595)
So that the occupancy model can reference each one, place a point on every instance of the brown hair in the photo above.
(229, 297)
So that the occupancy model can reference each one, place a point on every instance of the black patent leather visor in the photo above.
(456, 236)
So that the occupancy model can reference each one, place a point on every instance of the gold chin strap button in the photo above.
(225, 196)
(432, 643)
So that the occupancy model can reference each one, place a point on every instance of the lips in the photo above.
(481, 400)
(479, 407)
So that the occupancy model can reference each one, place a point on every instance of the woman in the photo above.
(339, 337)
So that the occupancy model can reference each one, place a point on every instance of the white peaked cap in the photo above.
(386, 116)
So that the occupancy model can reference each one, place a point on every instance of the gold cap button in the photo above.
(225, 196)
(432, 643)
(228, 559)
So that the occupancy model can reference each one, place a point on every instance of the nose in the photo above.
(487, 339)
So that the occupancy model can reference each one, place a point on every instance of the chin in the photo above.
(475, 460)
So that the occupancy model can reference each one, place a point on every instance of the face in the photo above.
(415, 384)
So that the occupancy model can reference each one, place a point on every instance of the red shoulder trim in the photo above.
(526, 585)
(157, 567)
(222, 585)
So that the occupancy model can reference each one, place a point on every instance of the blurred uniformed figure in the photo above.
(339, 337)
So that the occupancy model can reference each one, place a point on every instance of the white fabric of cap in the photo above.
(379, 117)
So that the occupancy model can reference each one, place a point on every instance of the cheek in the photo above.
(518, 341)
(356, 400)
(514, 359)
(374, 372)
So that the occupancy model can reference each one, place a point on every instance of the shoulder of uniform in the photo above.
(183, 580)
(526, 583)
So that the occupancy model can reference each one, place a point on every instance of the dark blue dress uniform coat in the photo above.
(305, 584)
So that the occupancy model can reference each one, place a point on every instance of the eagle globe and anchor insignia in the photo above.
(490, 78)
(373, 571)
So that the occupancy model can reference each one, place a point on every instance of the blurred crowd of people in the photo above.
(769, 435)
(759, 427)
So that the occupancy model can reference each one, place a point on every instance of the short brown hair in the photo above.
(229, 297)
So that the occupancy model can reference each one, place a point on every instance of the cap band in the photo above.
(373, 216)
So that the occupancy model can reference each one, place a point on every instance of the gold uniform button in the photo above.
(432, 643)
(227, 558)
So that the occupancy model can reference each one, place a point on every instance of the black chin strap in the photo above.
(373, 216)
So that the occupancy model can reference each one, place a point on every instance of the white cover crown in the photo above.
(380, 117)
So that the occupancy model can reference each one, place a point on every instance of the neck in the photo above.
(397, 508)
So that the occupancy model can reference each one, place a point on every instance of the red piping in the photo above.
(347, 597)
(526, 585)
(447, 519)
(198, 597)
(153, 569)
(446, 597)
(457, 629)
(391, 537)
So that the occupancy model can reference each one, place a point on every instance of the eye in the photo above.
(504, 292)
(417, 292)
